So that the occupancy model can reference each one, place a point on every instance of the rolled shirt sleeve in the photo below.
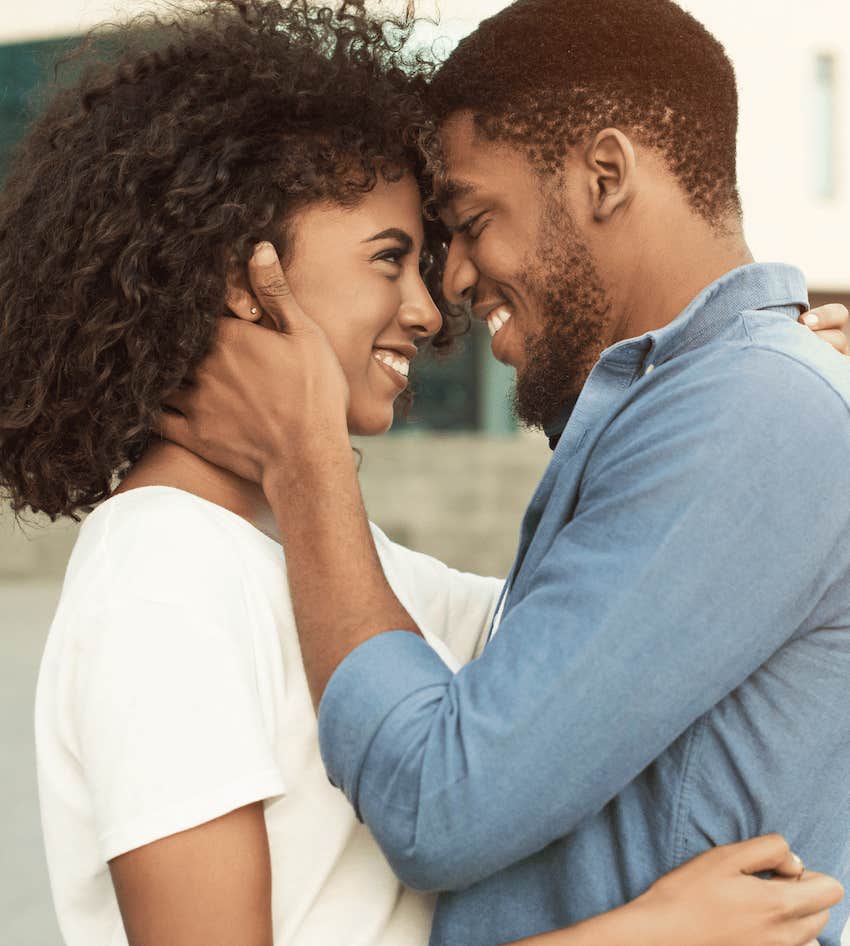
(710, 517)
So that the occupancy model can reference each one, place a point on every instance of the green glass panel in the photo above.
(25, 69)
(446, 392)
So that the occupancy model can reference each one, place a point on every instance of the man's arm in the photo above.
(587, 680)
(452, 607)
(698, 547)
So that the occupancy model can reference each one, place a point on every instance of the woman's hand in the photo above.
(829, 323)
(715, 900)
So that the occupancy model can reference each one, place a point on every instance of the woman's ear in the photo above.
(239, 298)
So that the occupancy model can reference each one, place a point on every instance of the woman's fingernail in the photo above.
(811, 319)
(264, 253)
(798, 861)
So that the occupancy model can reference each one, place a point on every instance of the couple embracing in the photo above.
(624, 741)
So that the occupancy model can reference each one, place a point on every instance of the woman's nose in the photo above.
(419, 312)
(460, 274)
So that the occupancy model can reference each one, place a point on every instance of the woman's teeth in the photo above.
(498, 318)
(397, 362)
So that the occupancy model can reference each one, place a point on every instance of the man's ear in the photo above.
(611, 169)
(239, 297)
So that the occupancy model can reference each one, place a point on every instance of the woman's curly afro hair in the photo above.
(142, 182)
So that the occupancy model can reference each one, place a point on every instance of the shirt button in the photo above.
(648, 368)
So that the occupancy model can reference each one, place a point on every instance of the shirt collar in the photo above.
(752, 287)
(555, 428)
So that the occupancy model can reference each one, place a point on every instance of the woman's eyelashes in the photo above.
(395, 256)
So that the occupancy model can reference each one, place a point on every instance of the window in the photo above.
(469, 390)
(24, 68)
(825, 132)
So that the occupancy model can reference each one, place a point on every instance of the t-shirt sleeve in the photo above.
(169, 721)
(452, 606)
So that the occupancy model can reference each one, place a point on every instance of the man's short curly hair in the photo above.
(546, 75)
(140, 182)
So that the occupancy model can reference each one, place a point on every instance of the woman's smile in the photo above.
(395, 363)
(376, 305)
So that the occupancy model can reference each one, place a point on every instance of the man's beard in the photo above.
(574, 321)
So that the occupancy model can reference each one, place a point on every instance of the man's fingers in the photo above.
(180, 400)
(272, 290)
(175, 427)
(833, 315)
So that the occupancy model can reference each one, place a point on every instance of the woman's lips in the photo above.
(395, 366)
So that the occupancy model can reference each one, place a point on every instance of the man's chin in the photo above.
(504, 350)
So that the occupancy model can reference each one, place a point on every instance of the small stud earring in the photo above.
(253, 310)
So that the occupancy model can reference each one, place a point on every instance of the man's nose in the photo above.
(460, 275)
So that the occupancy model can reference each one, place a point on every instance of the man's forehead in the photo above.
(452, 188)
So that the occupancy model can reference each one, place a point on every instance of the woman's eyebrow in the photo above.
(393, 233)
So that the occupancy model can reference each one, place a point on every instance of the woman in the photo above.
(183, 798)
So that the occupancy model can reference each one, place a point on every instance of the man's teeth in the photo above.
(397, 362)
(497, 319)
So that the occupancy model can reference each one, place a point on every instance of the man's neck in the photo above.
(675, 261)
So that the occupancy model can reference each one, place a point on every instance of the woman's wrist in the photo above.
(650, 923)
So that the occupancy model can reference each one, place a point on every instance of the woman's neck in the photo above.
(167, 464)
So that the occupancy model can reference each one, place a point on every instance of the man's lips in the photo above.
(497, 319)
(494, 314)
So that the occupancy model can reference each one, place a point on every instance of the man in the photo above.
(670, 667)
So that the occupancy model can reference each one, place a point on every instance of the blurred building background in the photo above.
(453, 480)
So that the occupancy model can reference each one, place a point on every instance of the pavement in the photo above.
(26, 910)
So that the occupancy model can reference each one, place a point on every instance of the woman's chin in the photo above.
(371, 422)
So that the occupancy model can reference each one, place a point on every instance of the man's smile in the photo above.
(497, 318)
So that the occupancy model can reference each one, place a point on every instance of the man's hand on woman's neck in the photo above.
(169, 464)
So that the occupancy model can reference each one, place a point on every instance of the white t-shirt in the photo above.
(172, 691)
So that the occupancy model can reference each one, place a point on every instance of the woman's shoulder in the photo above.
(451, 606)
(165, 544)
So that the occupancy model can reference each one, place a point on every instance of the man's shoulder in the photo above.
(772, 338)
(777, 366)
(775, 392)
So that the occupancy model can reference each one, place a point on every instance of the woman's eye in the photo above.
(391, 256)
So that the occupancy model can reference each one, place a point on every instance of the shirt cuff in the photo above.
(362, 692)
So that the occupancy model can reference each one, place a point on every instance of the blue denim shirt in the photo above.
(672, 668)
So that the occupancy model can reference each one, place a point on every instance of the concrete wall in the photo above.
(459, 497)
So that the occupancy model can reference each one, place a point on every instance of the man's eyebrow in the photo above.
(453, 190)
(393, 233)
